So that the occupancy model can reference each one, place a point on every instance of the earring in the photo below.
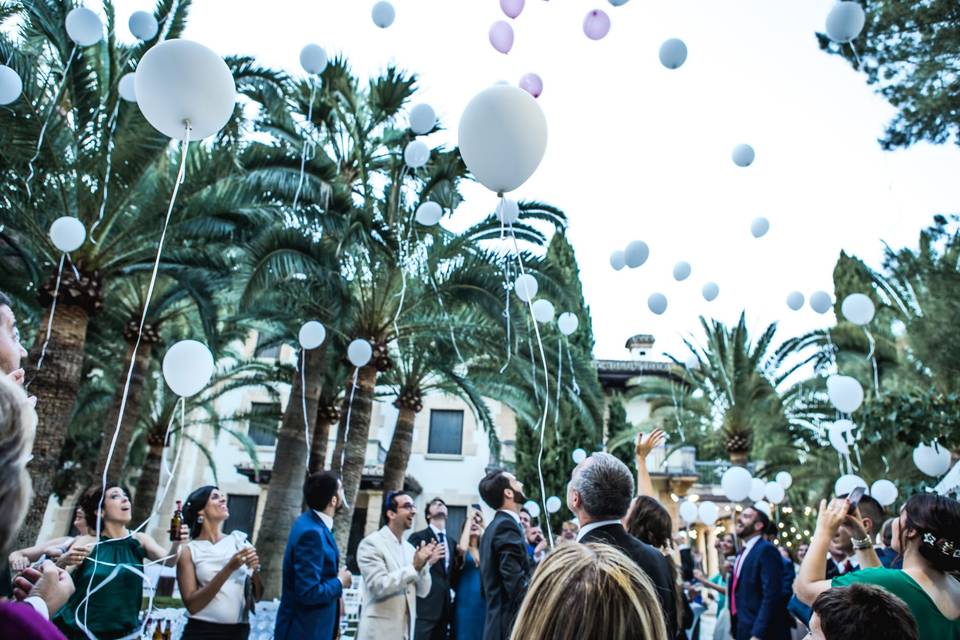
(199, 519)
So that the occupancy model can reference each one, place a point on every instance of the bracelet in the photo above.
(861, 543)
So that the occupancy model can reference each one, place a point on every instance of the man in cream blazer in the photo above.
(394, 574)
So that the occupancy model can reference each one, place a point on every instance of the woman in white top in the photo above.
(217, 572)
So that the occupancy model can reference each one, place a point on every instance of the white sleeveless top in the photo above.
(227, 607)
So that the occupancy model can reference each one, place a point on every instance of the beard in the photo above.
(518, 496)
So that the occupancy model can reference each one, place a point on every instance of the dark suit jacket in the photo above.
(761, 607)
(311, 589)
(20, 620)
(437, 604)
(504, 575)
(651, 561)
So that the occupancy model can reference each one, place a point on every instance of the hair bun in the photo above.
(944, 554)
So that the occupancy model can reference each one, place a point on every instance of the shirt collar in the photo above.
(515, 516)
(325, 519)
(749, 544)
(436, 531)
(587, 528)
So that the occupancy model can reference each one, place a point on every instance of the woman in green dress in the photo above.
(112, 611)
(927, 537)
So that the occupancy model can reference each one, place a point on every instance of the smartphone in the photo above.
(854, 498)
(476, 505)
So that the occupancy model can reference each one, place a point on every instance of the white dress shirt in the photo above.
(325, 519)
(438, 533)
(515, 516)
(587, 528)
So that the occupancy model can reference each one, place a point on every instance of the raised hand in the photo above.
(647, 442)
(423, 554)
(74, 556)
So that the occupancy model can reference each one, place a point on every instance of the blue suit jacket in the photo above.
(311, 589)
(761, 605)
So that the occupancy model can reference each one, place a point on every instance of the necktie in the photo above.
(442, 538)
(733, 585)
(847, 566)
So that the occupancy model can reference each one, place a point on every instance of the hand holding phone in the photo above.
(854, 498)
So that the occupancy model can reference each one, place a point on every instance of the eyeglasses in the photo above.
(410, 506)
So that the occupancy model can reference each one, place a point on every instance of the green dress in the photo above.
(932, 624)
(114, 610)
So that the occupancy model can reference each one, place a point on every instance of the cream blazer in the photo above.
(390, 589)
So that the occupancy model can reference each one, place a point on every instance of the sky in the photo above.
(637, 151)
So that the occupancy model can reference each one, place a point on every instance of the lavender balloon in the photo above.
(596, 25)
(511, 7)
(501, 36)
(532, 84)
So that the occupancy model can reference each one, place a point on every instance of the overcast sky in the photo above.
(637, 151)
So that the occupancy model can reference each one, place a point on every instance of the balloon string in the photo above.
(533, 363)
(306, 144)
(573, 373)
(446, 315)
(872, 357)
(53, 309)
(76, 273)
(111, 124)
(506, 310)
(556, 419)
(346, 430)
(46, 121)
(303, 398)
(855, 56)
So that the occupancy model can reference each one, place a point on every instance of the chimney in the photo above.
(640, 345)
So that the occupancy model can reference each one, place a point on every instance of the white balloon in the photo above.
(847, 483)
(508, 212)
(845, 393)
(845, 21)
(710, 291)
(820, 301)
(743, 155)
(795, 300)
(180, 81)
(11, 86)
(84, 27)
(657, 303)
(758, 489)
(422, 119)
(383, 14)
(526, 287)
(884, 492)
(67, 234)
(567, 323)
(736, 482)
(681, 271)
(312, 334)
(774, 493)
(359, 352)
(839, 434)
(759, 227)
(416, 154)
(532, 508)
(693, 362)
(858, 309)
(502, 137)
(618, 260)
(636, 253)
(553, 504)
(673, 53)
(689, 511)
(579, 455)
(933, 461)
(543, 310)
(127, 87)
(143, 25)
(762, 505)
(313, 59)
(784, 479)
(188, 367)
(709, 512)
(429, 213)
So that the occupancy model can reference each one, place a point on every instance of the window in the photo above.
(269, 351)
(446, 432)
(243, 514)
(456, 517)
(264, 419)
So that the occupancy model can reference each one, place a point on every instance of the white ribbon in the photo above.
(346, 427)
(303, 398)
(53, 309)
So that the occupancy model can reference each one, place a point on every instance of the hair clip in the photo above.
(929, 538)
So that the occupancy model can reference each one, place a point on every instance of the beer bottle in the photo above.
(176, 523)
(167, 631)
(157, 633)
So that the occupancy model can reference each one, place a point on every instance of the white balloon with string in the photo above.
(759, 227)
(636, 253)
(681, 271)
(11, 85)
(84, 27)
(543, 310)
(689, 512)
(127, 87)
(736, 483)
(416, 154)
(422, 119)
(743, 155)
(784, 479)
(657, 303)
(820, 302)
(383, 14)
(143, 25)
(567, 323)
(429, 214)
(710, 291)
(795, 300)
(313, 59)
(532, 508)
(884, 492)
(845, 22)
(758, 489)
(618, 260)
(508, 212)
(579, 455)
(932, 460)
(311, 336)
(774, 493)
(553, 504)
(188, 367)
(845, 393)
(708, 512)
(526, 287)
(673, 53)
(847, 483)
(858, 309)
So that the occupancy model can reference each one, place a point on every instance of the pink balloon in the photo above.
(596, 25)
(501, 36)
(511, 7)
(532, 84)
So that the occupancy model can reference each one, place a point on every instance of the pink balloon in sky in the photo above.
(532, 84)
(596, 25)
(501, 36)
(511, 7)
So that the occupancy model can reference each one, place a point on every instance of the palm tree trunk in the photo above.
(138, 382)
(285, 493)
(56, 387)
(318, 450)
(395, 466)
(149, 481)
(337, 460)
(356, 450)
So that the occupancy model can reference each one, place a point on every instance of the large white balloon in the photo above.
(543, 310)
(743, 155)
(845, 393)
(143, 25)
(313, 59)
(657, 303)
(933, 460)
(567, 323)
(759, 227)
(84, 27)
(839, 434)
(774, 493)
(884, 492)
(422, 119)
(847, 483)
(429, 213)
(312, 334)
(858, 309)
(710, 291)
(503, 136)
(11, 86)
(689, 512)
(383, 14)
(188, 367)
(127, 87)
(795, 300)
(673, 53)
(553, 504)
(636, 253)
(736, 482)
(67, 234)
(845, 21)
(820, 301)
(416, 154)
(526, 287)
(681, 271)
(579, 455)
(180, 82)
(758, 489)
(508, 211)
(532, 508)
(784, 479)
(359, 352)
(708, 512)
(618, 260)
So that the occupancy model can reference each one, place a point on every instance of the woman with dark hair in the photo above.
(927, 537)
(469, 609)
(217, 573)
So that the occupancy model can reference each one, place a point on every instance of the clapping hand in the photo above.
(648, 442)
(426, 553)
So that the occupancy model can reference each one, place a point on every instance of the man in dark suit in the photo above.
(599, 493)
(504, 563)
(311, 586)
(435, 612)
(757, 603)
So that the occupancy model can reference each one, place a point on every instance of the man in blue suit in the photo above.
(757, 603)
(311, 584)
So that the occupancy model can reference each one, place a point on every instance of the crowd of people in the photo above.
(615, 572)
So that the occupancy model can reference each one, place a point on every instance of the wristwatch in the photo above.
(861, 543)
